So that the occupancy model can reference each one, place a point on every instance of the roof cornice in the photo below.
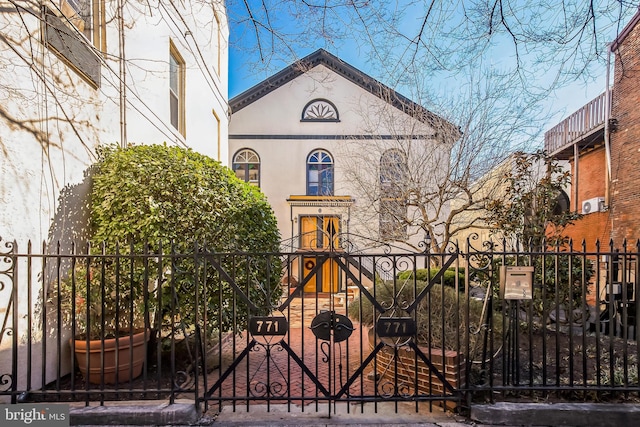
(366, 82)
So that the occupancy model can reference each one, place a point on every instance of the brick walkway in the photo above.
(297, 367)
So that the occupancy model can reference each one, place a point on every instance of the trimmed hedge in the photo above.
(146, 195)
(448, 277)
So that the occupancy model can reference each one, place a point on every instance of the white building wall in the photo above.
(272, 127)
(52, 119)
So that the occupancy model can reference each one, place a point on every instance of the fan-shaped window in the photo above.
(393, 209)
(320, 174)
(246, 165)
(320, 110)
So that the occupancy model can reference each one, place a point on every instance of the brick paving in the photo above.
(297, 367)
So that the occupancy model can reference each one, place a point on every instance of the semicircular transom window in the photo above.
(320, 110)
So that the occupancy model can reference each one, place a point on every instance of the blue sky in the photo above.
(247, 69)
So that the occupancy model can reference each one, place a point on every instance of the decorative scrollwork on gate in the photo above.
(264, 389)
(7, 271)
(261, 387)
(6, 381)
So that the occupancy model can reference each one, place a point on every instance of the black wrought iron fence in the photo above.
(572, 334)
(323, 326)
(84, 324)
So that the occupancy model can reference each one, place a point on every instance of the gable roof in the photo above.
(349, 72)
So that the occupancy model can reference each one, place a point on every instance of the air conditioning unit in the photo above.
(595, 204)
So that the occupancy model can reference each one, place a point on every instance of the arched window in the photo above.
(393, 167)
(393, 208)
(319, 173)
(320, 110)
(246, 165)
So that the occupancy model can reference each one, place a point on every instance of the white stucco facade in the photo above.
(64, 93)
(369, 119)
(53, 117)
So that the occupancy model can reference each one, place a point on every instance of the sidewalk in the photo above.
(184, 413)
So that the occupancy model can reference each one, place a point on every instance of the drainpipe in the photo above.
(123, 76)
(576, 175)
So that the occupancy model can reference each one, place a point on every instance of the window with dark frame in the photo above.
(320, 173)
(246, 165)
(320, 110)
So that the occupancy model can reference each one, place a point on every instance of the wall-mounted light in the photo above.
(427, 239)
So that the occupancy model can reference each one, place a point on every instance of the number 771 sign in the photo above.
(268, 326)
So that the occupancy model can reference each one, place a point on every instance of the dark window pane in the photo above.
(175, 116)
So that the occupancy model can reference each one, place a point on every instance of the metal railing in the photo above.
(576, 338)
(582, 122)
(203, 317)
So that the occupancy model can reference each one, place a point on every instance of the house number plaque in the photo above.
(395, 327)
(268, 326)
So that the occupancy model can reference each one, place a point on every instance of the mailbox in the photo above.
(516, 282)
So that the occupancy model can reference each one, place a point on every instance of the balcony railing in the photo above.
(584, 122)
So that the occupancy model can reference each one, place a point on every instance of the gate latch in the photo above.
(329, 323)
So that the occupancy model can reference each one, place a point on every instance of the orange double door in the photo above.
(320, 234)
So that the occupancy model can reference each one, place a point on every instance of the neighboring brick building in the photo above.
(625, 138)
(602, 143)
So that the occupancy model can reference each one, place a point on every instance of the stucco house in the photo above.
(79, 74)
(72, 80)
(329, 146)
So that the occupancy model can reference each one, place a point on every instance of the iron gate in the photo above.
(333, 326)
(356, 343)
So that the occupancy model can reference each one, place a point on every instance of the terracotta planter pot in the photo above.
(129, 353)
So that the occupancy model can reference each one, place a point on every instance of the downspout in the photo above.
(123, 75)
(576, 177)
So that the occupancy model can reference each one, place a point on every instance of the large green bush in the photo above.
(175, 198)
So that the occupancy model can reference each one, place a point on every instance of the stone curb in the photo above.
(503, 414)
(557, 414)
(147, 414)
